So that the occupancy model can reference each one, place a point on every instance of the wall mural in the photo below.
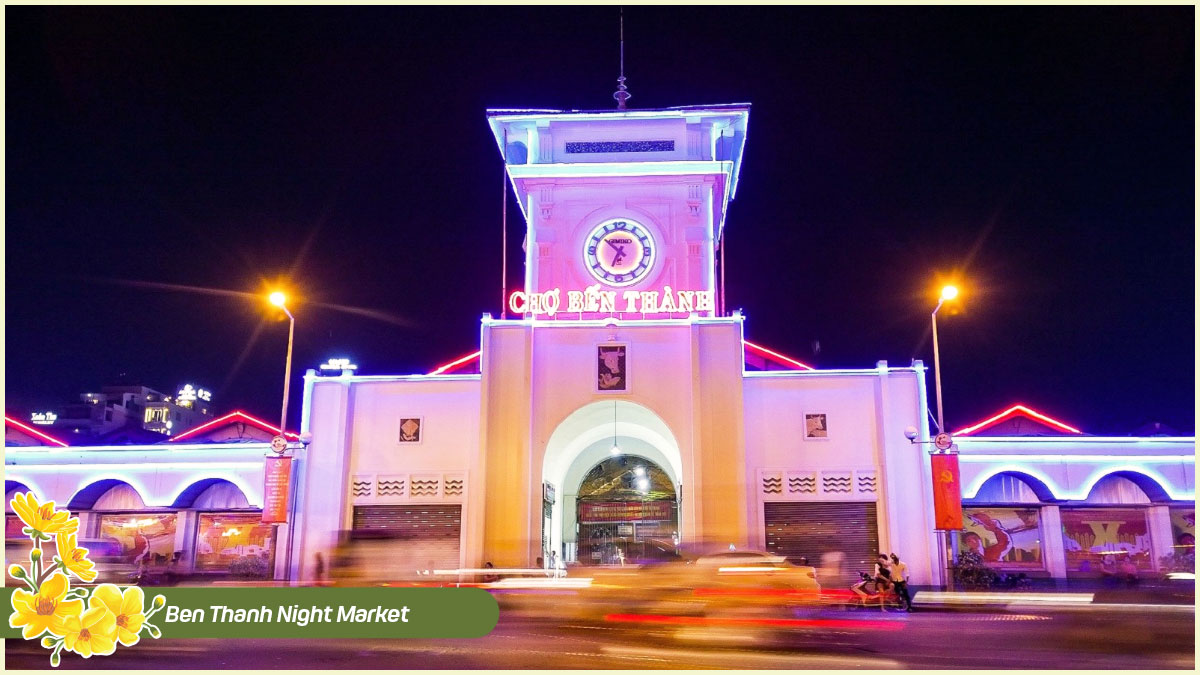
(1005, 537)
(1101, 540)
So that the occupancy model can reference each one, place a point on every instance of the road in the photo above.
(1128, 638)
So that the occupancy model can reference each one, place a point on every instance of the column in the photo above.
(1162, 541)
(1054, 556)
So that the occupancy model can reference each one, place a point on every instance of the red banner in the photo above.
(277, 479)
(623, 512)
(947, 493)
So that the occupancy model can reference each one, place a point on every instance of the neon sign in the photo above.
(594, 300)
(188, 395)
(43, 418)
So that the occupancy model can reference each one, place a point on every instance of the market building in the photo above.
(617, 412)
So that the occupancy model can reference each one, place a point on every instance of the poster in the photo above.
(815, 425)
(1183, 530)
(1005, 537)
(623, 512)
(277, 481)
(1097, 540)
(410, 429)
(611, 374)
(947, 493)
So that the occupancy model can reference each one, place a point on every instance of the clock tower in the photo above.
(624, 209)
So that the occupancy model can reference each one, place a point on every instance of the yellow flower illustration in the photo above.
(46, 611)
(127, 610)
(93, 632)
(43, 517)
(75, 558)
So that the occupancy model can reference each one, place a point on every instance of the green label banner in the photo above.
(257, 612)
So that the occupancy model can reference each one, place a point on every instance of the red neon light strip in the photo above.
(235, 414)
(1013, 412)
(34, 432)
(739, 621)
(763, 351)
(440, 370)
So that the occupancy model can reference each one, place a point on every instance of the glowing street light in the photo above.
(278, 299)
(949, 292)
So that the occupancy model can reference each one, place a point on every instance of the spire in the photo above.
(622, 94)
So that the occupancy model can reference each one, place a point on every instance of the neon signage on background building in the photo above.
(43, 418)
(594, 300)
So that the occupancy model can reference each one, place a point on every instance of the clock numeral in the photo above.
(591, 250)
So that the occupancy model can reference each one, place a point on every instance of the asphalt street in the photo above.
(1120, 638)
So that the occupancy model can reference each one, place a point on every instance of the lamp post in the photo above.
(949, 292)
(280, 300)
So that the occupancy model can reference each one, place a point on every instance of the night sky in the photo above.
(1046, 155)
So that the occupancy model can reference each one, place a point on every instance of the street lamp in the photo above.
(948, 293)
(280, 300)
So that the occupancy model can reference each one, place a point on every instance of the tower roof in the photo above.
(696, 140)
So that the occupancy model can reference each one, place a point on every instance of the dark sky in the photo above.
(1047, 154)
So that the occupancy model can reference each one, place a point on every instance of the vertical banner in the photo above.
(277, 479)
(947, 493)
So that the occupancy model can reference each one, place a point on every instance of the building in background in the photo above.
(124, 409)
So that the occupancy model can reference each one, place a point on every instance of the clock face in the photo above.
(619, 252)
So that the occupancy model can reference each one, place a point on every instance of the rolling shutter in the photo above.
(426, 536)
(819, 531)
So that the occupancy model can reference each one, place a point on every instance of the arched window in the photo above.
(221, 496)
(1006, 488)
(1114, 489)
(120, 497)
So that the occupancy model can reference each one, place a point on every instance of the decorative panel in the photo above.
(391, 486)
(864, 481)
(425, 486)
(360, 487)
(802, 482)
(835, 482)
(772, 482)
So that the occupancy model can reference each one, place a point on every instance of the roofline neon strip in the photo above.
(447, 366)
(767, 352)
(34, 432)
(238, 414)
(1013, 412)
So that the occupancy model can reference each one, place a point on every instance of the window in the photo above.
(1007, 538)
(148, 537)
(1099, 539)
(238, 543)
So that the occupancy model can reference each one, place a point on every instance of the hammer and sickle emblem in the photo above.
(945, 477)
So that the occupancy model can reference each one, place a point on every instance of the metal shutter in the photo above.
(813, 530)
(424, 536)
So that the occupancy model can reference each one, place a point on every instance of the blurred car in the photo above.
(716, 583)
(111, 565)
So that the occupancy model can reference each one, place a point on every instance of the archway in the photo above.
(582, 442)
(627, 510)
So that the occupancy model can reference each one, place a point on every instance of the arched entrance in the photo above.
(582, 446)
(627, 511)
